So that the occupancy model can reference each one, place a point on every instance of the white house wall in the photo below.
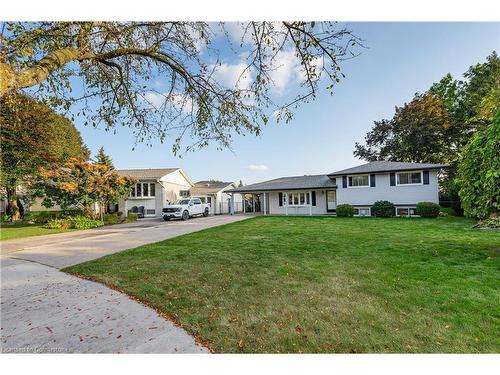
(276, 209)
(399, 195)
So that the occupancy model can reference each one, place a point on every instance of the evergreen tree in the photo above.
(103, 159)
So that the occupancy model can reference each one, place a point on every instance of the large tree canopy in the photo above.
(169, 80)
(418, 132)
(31, 136)
(434, 126)
(479, 173)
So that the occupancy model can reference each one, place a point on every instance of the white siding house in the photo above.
(155, 189)
(404, 184)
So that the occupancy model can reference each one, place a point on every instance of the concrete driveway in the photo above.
(46, 310)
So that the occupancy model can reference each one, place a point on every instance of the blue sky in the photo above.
(401, 59)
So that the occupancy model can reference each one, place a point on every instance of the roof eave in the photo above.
(342, 173)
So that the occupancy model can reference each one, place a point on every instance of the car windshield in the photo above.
(183, 201)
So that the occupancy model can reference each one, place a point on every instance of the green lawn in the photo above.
(9, 231)
(322, 284)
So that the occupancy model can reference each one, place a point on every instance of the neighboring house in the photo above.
(155, 188)
(214, 192)
(404, 184)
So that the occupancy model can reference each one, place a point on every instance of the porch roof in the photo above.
(288, 183)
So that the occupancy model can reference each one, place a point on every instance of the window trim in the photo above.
(363, 208)
(407, 208)
(142, 196)
(307, 198)
(358, 175)
(413, 183)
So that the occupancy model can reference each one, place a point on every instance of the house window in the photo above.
(143, 190)
(297, 199)
(359, 180)
(406, 211)
(409, 178)
(362, 211)
(184, 193)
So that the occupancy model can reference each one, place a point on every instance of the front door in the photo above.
(331, 200)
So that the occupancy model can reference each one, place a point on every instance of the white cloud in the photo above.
(287, 70)
(236, 32)
(258, 167)
(179, 101)
(233, 75)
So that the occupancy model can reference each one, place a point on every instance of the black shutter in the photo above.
(344, 181)
(280, 199)
(393, 179)
(426, 177)
(372, 180)
(313, 198)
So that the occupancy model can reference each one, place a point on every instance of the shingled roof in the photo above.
(208, 187)
(386, 166)
(288, 183)
(146, 173)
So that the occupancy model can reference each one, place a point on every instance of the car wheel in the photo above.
(205, 213)
(185, 215)
(166, 218)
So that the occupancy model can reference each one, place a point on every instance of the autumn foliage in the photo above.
(79, 184)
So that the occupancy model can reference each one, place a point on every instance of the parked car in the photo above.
(186, 208)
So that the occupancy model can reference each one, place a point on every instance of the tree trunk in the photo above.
(12, 207)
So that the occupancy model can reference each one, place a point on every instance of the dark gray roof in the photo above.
(208, 187)
(146, 173)
(288, 183)
(386, 166)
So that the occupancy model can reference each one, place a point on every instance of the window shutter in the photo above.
(393, 179)
(372, 180)
(426, 177)
(313, 198)
(344, 181)
(280, 199)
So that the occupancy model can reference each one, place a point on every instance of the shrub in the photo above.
(58, 224)
(119, 214)
(492, 222)
(83, 222)
(42, 217)
(112, 219)
(131, 217)
(345, 210)
(428, 209)
(76, 222)
(383, 209)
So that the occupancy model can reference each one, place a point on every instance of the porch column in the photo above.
(243, 202)
(286, 205)
(231, 208)
(265, 203)
(253, 202)
(310, 204)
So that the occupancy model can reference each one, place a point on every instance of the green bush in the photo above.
(345, 210)
(112, 219)
(42, 217)
(428, 209)
(83, 222)
(76, 222)
(58, 224)
(492, 222)
(383, 209)
(131, 217)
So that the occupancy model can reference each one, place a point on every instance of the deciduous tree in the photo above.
(479, 173)
(31, 136)
(78, 183)
(418, 132)
(119, 64)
